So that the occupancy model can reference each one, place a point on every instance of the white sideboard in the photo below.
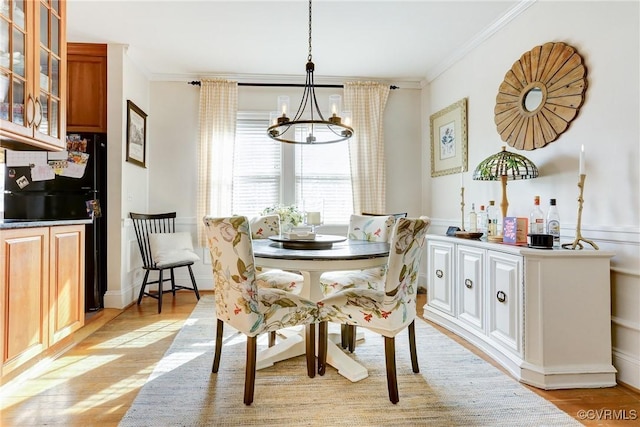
(544, 315)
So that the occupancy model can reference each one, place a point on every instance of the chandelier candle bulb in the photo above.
(283, 105)
(581, 171)
(346, 116)
(335, 101)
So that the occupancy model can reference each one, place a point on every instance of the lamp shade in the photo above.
(505, 163)
(505, 166)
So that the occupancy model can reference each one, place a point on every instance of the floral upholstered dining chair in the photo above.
(371, 229)
(385, 311)
(361, 227)
(243, 305)
(262, 227)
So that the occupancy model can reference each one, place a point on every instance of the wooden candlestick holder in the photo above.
(462, 207)
(579, 238)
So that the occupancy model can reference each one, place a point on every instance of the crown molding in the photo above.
(479, 38)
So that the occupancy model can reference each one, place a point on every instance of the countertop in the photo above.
(6, 224)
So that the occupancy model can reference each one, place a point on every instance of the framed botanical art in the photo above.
(449, 139)
(136, 134)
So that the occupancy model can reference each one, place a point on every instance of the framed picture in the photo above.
(136, 134)
(449, 139)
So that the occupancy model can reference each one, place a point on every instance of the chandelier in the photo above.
(309, 126)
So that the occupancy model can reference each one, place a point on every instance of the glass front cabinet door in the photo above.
(33, 73)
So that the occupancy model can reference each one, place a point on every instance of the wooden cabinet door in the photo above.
(87, 87)
(470, 286)
(24, 288)
(505, 300)
(66, 279)
(440, 276)
(33, 75)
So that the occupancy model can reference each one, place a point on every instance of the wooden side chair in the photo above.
(161, 249)
(243, 305)
(387, 311)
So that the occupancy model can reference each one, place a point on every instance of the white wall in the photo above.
(128, 183)
(606, 34)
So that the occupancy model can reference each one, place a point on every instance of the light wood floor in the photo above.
(95, 382)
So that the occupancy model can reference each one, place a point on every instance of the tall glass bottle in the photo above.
(536, 218)
(553, 222)
(482, 220)
(492, 219)
(473, 219)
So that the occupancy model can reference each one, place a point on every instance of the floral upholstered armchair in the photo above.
(385, 311)
(243, 305)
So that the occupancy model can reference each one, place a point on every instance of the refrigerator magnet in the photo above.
(22, 181)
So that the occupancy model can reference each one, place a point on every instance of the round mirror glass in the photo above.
(533, 99)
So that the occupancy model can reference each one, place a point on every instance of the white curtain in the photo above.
(218, 112)
(367, 101)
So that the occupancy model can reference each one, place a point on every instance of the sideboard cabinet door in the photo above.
(470, 286)
(505, 278)
(440, 289)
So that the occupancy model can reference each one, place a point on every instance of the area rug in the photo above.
(454, 387)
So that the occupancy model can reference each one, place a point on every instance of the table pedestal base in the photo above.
(294, 345)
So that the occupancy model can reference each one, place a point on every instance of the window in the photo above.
(268, 172)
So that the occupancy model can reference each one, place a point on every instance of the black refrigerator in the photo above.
(76, 190)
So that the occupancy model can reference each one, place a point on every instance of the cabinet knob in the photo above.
(468, 283)
(502, 297)
(439, 274)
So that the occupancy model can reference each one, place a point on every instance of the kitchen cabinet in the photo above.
(66, 281)
(33, 74)
(41, 289)
(24, 288)
(544, 315)
(87, 87)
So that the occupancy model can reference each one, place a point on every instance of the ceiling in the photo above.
(385, 40)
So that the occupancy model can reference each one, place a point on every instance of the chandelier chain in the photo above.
(309, 57)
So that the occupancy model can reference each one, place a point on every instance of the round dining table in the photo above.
(343, 254)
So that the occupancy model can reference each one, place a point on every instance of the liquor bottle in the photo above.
(492, 219)
(473, 219)
(482, 220)
(553, 222)
(536, 218)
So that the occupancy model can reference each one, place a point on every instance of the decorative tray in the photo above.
(300, 235)
(321, 241)
(469, 234)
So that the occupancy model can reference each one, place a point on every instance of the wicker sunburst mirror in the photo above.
(540, 95)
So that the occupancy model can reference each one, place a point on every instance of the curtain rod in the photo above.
(197, 83)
